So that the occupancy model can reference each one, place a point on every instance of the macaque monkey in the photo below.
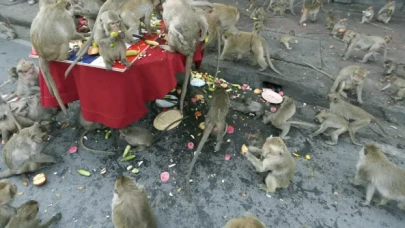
(51, 31)
(390, 67)
(91, 126)
(310, 11)
(279, 119)
(8, 30)
(377, 172)
(258, 14)
(28, 79)
(370, 44)
(43, 3)
(349, 78)
(348, 38)
(251, 5)
(26, 217)
(89, 9)
(368, 14)
(226, 15)
(280, 8)
(330, 120)
(385, 13)
(243, 43)
(247, 221)
(215, 118)
(330, 21)
(10, 123)
(132, 11)
(7, 194)
(350, 112)
(283, 2)
(399, 83)
(23, 153)
(183, 34)
(340, 25)
(286, 39)
(32, 109)
(276, 161)
(213, 29)
(248, 106)
(112, 47)
(139, 137)
(130, 205)
(258, 139)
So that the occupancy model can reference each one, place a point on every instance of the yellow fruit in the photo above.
(158, 23)
(114, 34)
(201, 125)
(83, 172)
(244, 149)
(307, 157)
(39, 179)
(112, 45)
(151, 42)
(257, 91)
(206, 39)
(224, 85)
(94, 44)
(131, 52)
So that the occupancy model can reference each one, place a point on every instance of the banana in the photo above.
(114, 34)
(94, 44)
(151, 42)
(132, 52)
(206, 39)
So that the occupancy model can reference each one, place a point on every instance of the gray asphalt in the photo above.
(320, 195)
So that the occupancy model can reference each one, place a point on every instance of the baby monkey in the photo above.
(330, 120)
(368, 14)
(286, 39)
(246, 221)
(7, 194)
(330, 21)
(130, 205)
(277, 163)
(377, 172)
(26, 217)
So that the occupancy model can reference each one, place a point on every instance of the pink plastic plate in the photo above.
(271, 96)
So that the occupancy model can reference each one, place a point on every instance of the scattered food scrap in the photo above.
(39, 179)
(164, 177)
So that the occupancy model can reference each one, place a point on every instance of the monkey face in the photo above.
(38, 133)
(25, 68)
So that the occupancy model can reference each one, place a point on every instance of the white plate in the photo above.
(271, 96)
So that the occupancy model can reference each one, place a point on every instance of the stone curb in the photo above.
(17, 21)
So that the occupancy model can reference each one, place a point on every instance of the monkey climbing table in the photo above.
(115, 98)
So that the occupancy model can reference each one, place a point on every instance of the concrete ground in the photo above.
(320, 195)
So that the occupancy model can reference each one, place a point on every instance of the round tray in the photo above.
(164, 119)
(271, 96)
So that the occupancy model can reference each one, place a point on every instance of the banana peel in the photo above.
(152, 43)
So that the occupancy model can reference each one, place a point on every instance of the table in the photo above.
(117, 99)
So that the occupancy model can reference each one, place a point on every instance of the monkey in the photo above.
(330, 120)
(32, 109)
(244, 43)
(89, 9)
(91, 126)
(213, 29)
(137, 136)
(350, 112)
(8, 30)
(310, 11)
(330, 21)
(287, 38)
(43, 3)
(385, 13)
(130, 205)
(398, 83)
(247, 221)
(277, 162)
(248, 106)
(111, 47)
(26, 217)
(27, 75)
(371, 44)
(280, 8)
(279, 119)
(349, 78)
(390, 67)
(183, 34)
(286, 2)
(227, 16)
(215, 118)
(51, 31)
(348, 37)
(368, 15)
(399, 95)
(251, 5)
(340, 25)
(258, 139)
(10, 123)
(377, 172)
(23, 153)
(258, 14)
(7, 194)
(132, 11)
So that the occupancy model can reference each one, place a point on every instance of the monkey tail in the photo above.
(303, 124)
(44, 65)
(278, 32)
(100, 152)
(267, 52)
(168, 126)
(204, 138)
(321, 71)
(385, 52)
(11, 115)
(352, 138)
(189, 60)
(80, 53)
(219, 53)
(380, 126)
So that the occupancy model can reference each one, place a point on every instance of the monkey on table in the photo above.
(51, 30)
(26, 217)
(130, 205)
(377, 172)
(7, 194)
(276, 163)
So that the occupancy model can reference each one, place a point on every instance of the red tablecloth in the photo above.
(117, 99)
